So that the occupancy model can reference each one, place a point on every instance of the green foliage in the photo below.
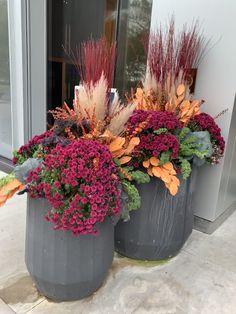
(186, 168)
(20, 157)
(133, 199)
(189, 145)
(161, 131)
(35, 151)
(183, 133)
(5, 180)
(137, 175)
(165, 157)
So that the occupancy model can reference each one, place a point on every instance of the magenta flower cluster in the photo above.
(205, 122)
(151, 143)
(80, 182)
(156, 120)
(26, 151)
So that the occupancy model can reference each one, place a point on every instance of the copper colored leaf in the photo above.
(154, 161)
(139, 93)
(132, 143)
(123, 160)
(173, 188)
(180, 99)
(185, 105)
(180, 90)
(150, 171)
(116, 144)
(3, 199)
(146, 163)
(169, 167)
(118, 153)
(165, 176)
(156, 171)
(175, 180)
(6, 189)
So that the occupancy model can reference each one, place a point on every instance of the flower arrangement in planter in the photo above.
(74, 175)
(103, 159)
(175, 137)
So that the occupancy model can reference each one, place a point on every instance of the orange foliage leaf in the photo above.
(150, 172)
(154, 161)
(156, 171)
(8, 190)
(146, 163)
(132, 143)
(176, 180)
(116, 144)
(180, 90)
(123, 160)
(173, 188)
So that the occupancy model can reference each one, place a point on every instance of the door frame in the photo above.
(28, 63)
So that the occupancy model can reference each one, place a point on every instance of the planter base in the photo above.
(66, 267)
(159, 229)
(72, 292)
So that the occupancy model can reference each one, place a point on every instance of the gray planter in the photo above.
(65, 267)
(161, 226)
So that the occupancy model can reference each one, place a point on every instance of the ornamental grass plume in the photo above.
(93, 58)
(92, 114)
(171, 56)
(93, 111)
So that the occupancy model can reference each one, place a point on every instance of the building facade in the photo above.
(37, 73)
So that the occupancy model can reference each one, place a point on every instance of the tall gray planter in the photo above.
(161, 226)
(65, 267)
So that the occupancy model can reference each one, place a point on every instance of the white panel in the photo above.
(37, 63)
(16, 70)
(215, 80)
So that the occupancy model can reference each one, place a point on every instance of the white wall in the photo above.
(216, 80)
(16, 72)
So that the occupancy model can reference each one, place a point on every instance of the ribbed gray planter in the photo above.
(65, 267)
(161, 226)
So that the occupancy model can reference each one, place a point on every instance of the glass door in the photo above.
(55, 26)
(5, 90)
(69, 22)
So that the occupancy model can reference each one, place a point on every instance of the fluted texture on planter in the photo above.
(63, 266)
(161, 226)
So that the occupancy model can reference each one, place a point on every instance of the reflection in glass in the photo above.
(5, 99)
(134, 26)
(69, 22)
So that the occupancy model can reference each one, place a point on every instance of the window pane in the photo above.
(134, 26)
(5, 99)
(69, 23)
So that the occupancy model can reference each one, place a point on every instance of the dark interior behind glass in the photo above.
(69, 22)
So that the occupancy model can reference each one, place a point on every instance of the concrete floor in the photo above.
(201, 279)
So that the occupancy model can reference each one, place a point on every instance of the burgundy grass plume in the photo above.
(170, 54)
(94, 57)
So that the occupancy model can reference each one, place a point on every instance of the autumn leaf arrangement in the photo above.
(174, 134)
(109, 147)
(80, 164)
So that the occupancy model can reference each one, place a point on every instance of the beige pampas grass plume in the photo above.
(117, 123)
(94, 96)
